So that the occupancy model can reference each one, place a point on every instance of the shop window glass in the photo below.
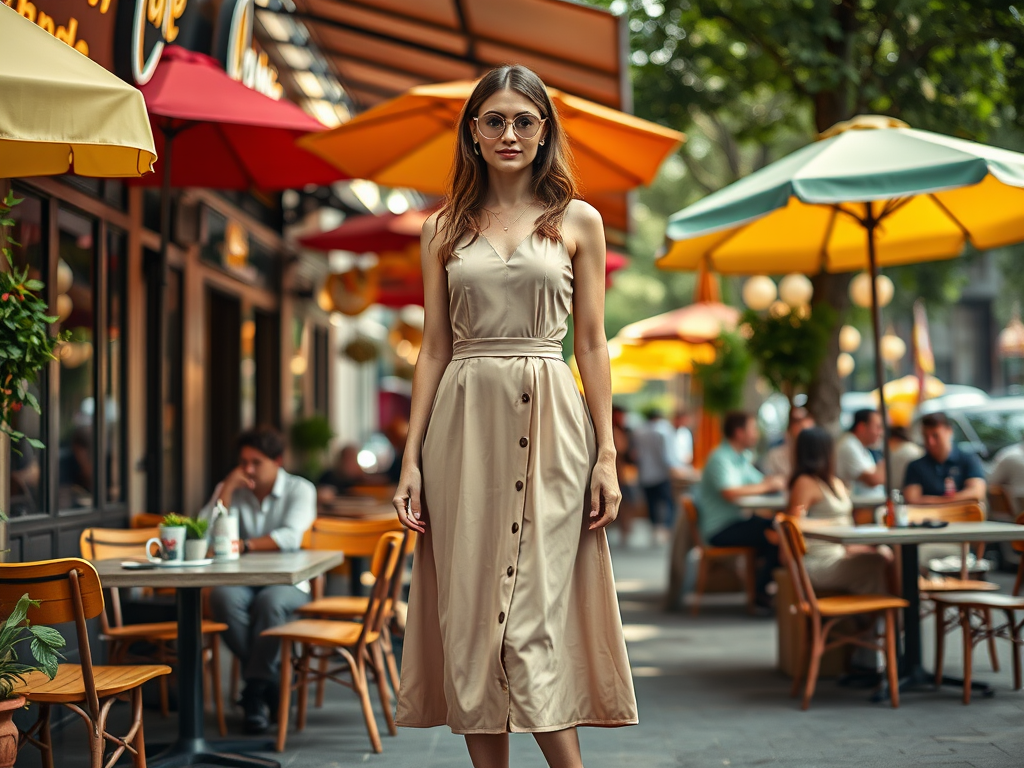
(298, 366)
(28, 464)
(228, 245)
(114, 400)
(76, 414)
(172, 368)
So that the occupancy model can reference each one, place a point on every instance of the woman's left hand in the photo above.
(604, 494)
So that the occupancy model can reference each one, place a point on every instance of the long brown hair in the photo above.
(554, 183)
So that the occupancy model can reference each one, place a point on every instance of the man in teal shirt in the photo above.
(728, 476)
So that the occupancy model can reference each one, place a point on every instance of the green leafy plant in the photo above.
(310, 438)
(26, 346)
(44, 644)
(789, 348)
(723, 379)
(173, 520)
(195, 529)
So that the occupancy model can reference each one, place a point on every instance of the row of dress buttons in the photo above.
(523, 442)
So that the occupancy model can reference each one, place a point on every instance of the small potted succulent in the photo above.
(172, 537)
(44, 644)
(196, 543)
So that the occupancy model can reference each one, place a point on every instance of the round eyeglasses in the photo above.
(492, 125)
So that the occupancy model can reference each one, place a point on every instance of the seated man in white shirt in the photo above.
(1008, 470)
(855, 465)
(274, 510)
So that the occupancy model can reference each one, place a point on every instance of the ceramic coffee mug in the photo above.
(170, 545)
(196, 549)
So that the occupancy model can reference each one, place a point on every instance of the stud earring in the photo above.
(542, 142)
(476, 147)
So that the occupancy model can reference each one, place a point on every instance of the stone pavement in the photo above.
(709, 696)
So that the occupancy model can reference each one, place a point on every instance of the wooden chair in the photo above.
(351, 608)
(70, 590)
(957, 512)
(355, 642)
(709, 553)
(823, 614)
(1018, 546)
(112, 543)
(145, 520)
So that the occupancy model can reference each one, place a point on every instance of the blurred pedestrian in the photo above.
(902, 451)
(779, 460)
(728, 476)
(655, 446)
(945, 473)
(855, 465)
(1008, 470)
(625, 470)
(684, 439)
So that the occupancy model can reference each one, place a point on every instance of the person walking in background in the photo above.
(902, 451)
(855, 465)
(274, 511)
(779, 460)
(509, 475)
(944, 473)
(655, 446)
(625, 470)
(728, 476)
(684, 439)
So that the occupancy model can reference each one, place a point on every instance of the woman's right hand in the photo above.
(407, 499)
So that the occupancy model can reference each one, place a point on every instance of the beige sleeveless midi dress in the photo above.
(513, 621)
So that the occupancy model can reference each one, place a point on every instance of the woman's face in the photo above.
(509, 152)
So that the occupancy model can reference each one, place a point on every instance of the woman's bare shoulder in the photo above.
(582, 223)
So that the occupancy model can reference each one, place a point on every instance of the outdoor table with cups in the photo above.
(912, 672)
(170, 569)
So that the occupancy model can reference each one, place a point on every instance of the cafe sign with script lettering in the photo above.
(128, 36)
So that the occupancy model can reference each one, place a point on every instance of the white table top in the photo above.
(952, 533)
(780, 501)
(256, 569)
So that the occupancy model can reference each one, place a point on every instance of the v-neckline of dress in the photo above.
(514, 250)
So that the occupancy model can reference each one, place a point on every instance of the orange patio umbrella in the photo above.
(409, 141)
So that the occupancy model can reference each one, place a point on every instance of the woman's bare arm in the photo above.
(586, 230)
(435, 354)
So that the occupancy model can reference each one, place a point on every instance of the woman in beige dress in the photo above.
(508, 475)
(816, 492)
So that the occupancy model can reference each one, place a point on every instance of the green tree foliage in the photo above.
(750, 80)
(789, 348)
(723, 379)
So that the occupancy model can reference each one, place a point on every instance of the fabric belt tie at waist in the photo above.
(507, 347)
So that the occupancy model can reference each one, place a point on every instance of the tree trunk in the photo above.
(824, 393)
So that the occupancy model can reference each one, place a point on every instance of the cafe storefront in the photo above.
(242, 342)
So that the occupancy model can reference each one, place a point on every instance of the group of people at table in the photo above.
(821, 476)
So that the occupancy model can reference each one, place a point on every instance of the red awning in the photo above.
(227, 136)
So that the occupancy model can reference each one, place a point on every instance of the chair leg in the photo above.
(285, 692)
(1020, 577)
(389, 657)
(750, 578)
(698, 590)
(139, 742)
(940, 642)
(965, 625)
(816, 649)
(801, 657)
(1015, 643)
(890, 658)
(323, 664)
(993, 652)
(380, 672)
(360, 685)
(303, 686)
(218, 698)
(44, 736)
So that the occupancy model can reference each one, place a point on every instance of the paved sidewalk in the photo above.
(709, 695)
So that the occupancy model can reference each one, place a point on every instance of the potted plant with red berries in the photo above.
(26, 348)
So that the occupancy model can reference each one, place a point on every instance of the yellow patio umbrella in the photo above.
(61, 111)
(409, 141)
(624, 381)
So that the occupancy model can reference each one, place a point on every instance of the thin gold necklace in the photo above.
(498, 218)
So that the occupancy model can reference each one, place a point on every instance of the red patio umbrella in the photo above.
(371, 233)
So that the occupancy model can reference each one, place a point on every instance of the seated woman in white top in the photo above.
(817, 494)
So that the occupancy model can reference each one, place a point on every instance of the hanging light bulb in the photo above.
(778, 309)
(845, 364)
(849, 339)
(796, 290)
(892, 347)
(759, 292)
(860, 290)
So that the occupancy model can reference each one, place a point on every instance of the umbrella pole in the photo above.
(870, 223)
(155, 342)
